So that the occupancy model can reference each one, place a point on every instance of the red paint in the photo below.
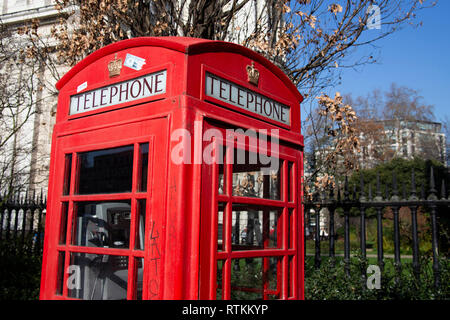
(180, 249)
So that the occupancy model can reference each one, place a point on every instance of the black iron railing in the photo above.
(359, 202)
(22, 219)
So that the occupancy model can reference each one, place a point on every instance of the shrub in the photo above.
(332, 283)
(20, 271)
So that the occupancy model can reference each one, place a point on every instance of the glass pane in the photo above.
(291, 277)
(60, 274)
(102, 224)
(220, 229)
(291, 182)
(246, 279)
(221, 182)
(251, 178)
(221, 179)
(272, 277)
(139, 267)
(143, 163)
(140, 224)
(106, 171)
(97, 277)
(63, 225)
(255, 278)
(67, 173)
(255, 228)
(291, 222)
(219, 289)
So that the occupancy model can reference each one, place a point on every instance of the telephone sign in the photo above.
(175, 173)
(134, 89)
(241, 97)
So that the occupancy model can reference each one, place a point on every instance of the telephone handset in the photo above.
(96, 235)
(106, 225)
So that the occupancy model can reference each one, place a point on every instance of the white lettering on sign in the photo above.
(246, 99)
(117, 93)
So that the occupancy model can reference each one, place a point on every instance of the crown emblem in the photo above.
(114, 67)
(252, 74)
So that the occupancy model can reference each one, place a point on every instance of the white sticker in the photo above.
(133, 62)
(82, 86)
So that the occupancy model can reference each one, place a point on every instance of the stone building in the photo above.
(30, 145)
(406, 139)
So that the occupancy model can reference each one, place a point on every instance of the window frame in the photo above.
(287, 251)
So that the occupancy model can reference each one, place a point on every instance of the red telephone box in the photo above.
(175, 173)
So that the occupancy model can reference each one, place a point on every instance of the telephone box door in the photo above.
(108, 213)
(251, 219)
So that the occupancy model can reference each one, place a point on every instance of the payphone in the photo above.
(174, 175)
(105, 225)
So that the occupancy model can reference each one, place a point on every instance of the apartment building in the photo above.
(404, 139)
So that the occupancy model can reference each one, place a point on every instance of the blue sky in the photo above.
(418, 58)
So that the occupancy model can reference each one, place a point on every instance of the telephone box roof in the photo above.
(186, 45)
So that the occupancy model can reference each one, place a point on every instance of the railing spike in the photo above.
(404, 190)
(331, 194)
(362, 196)
(422, 191)
(378, 193)
(433, 191)
(394, 183)
(386, 191)
(432, 184)
(323, 195)
(413, 186)
(346, 193)
(443, 192)
(394, 187)
(315, 197)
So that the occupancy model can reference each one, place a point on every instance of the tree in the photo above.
(406, 104)
(20, 86)
(311, 40)
(397, 103)
(337, 143)
(383, 118)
